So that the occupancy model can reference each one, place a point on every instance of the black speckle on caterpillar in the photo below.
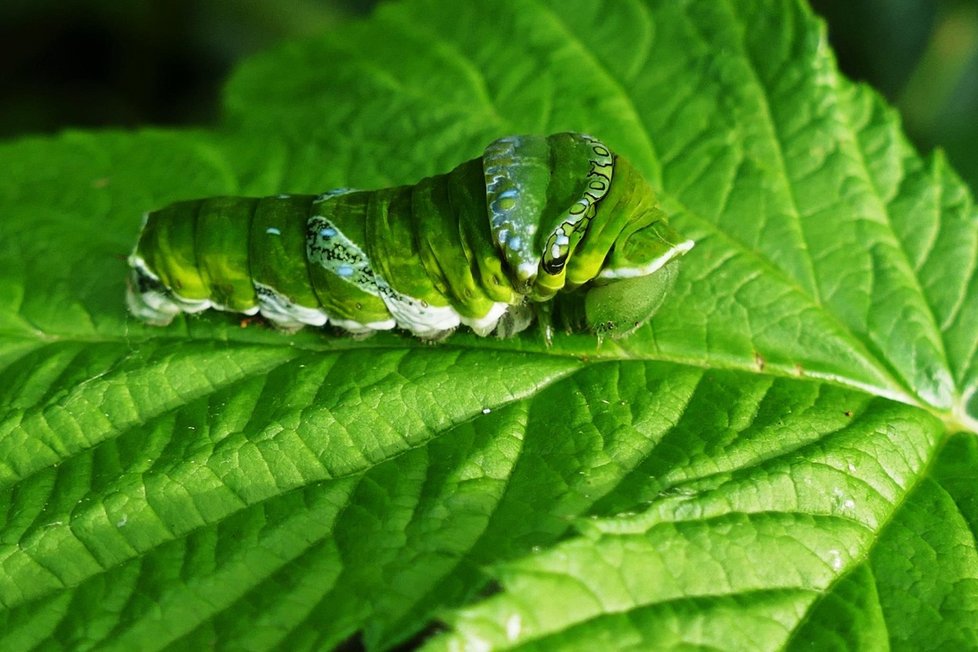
(553, 228)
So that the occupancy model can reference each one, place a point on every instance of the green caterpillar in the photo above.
(554, 228)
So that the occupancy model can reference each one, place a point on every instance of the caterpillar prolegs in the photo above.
(555, 228)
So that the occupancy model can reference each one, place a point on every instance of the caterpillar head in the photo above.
(638, 274)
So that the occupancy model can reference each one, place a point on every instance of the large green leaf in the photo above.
(784, 458)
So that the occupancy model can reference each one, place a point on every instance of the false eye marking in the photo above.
(579, 215)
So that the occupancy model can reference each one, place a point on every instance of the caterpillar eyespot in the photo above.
(554, 228)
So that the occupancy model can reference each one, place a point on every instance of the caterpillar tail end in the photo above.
(149, 300)
(147, 303)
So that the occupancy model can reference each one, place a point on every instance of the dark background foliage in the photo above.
(96, 63)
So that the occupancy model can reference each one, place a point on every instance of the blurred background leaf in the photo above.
(923, 56)
(90, 63)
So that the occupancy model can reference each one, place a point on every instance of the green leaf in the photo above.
(784, 458)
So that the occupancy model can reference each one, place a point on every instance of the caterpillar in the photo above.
(555, 228)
